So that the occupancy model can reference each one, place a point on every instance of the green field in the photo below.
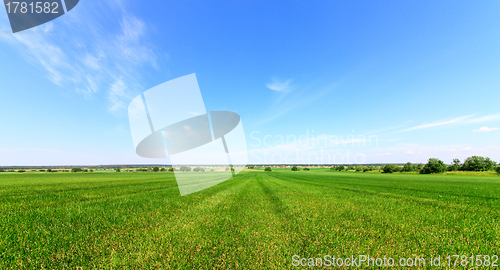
(254, 220)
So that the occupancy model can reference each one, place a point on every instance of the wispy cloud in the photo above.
(97, 50)
(469, 119)
(439, 123)
(279, 86)
(485, 129)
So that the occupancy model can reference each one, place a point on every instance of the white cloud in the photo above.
(467, 148)
(280, 86)
(410, 152)
(486, 129)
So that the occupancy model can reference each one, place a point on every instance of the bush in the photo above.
(340, 168)
(185, 168)
(434, 165)
(267, 169)
(20, 170)
(198, 169)
(53, 171)
(162, 169)
(390, 168)
(294, 168)
(350, 168)
(41, 170)
(305, 169)
(76, 169)
(478, 164)
(497, 169)
(155, 169)
(91, 170)
(171, 169)
(1, 170)
(359, 168)
(118, 170)
(141, 170)
(251, 167)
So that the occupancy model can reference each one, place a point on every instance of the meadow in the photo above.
(256, 220)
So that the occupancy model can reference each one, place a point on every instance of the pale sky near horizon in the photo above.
(313, 81)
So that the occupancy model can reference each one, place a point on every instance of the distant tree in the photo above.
(118, 170)
(171, 169)
(434, 165)
(198, 169)
(418, 167)
(477, 164)
(49, 170)
(53, 171)
(162, 169)
(408, 167)
(91, 170)
(76, 169)
(350, 168)
(497, 169)
(455, 166)
(390, 168)
(1, 170)
(294, 168)
(305, 169)
(41, 170)
(85, 170)
(340, 168)
(267, 169)
(251, 167)
(185, 168)
(359, 168)
(21, 171)
(155, 169)
(212, 170)
(227, 169)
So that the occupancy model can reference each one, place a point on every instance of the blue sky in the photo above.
(383, 81)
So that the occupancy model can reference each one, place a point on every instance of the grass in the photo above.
(255, 220)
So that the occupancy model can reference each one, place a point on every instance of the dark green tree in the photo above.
(267, 169)
(478, 164)
(434, 165)
(155, 169)
(294, 168)
(408, 167)
(390, 168)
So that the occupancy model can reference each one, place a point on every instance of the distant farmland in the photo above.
(255, 220)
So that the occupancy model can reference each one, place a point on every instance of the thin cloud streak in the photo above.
(464, 120)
